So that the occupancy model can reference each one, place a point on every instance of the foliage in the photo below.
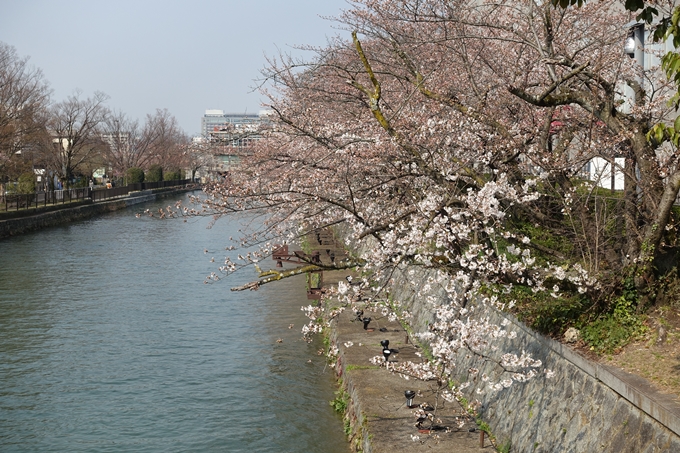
(547, 314)
(172, 175)
(615, 329)
(505, 447)
(134, 175)
(81, 182)
(26, 183)
(339, 404)
(154, 173)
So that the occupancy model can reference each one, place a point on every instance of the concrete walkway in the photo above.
(380, 419)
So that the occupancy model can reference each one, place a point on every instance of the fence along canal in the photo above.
(9, 202)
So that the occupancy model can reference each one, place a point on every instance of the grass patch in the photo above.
(339, 404)
(361, 367)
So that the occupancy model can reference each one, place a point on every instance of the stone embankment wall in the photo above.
(52, 217)
(585, 407)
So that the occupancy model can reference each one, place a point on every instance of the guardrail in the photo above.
(16, 202)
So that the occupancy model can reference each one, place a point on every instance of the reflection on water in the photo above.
(109, 341)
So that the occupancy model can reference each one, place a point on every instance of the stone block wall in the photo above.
(585, 407)
(54, 216)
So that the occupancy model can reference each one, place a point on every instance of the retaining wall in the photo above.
(53, 217)
(585, 407)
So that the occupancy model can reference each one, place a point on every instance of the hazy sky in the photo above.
(183, 55)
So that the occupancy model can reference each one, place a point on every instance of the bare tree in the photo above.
(127, 144)
(74, 127)
(24, 95)
(168, 141)
(160, 141)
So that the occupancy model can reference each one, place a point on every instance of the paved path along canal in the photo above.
(110, 342)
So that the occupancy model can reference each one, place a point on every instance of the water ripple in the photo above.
(110, 342)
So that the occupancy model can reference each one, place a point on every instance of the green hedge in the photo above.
(134, 175)
(154, 174)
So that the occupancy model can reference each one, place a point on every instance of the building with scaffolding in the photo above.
(231, 135)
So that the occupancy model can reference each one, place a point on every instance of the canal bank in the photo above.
(372, 401)
(377, 418)
(61, 214)
(584, 407)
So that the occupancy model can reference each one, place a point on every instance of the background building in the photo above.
(228, 136)
(215, 120)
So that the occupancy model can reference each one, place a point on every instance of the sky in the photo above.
(184, 55)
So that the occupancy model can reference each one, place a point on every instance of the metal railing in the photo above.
(19, 201)
(16, 202)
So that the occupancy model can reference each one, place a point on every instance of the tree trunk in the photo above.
(653, 234)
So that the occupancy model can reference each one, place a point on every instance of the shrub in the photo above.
(134, 175)
(547, 314)
(172, 175)
(612, 331)
(26, 183)
(154, 174)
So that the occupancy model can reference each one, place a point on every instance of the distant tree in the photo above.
(197, 156)
(170, 141)
(24, 95)
(134, 175)
(74, 133)
(129, 145)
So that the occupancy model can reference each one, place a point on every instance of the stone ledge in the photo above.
(638, 391)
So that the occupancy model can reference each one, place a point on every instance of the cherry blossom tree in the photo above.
(452, 136)
(425, 109)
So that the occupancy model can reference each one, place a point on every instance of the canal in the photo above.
(110, 342)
